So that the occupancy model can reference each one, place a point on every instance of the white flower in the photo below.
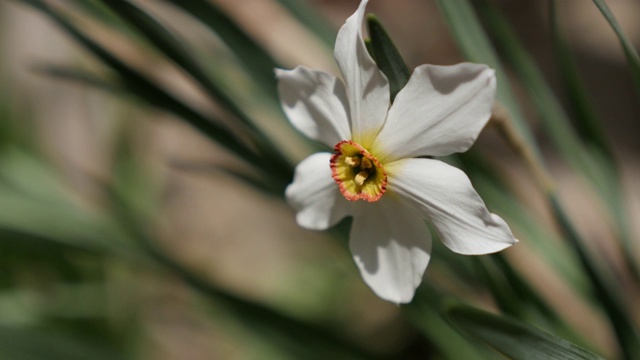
(375, 175)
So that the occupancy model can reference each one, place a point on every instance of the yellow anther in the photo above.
(352, 161)
(361, 177)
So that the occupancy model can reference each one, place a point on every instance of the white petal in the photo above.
(316, 104)
(315, 195)
(445, 196)
(441, 110)
(367, 87)
(391, 246)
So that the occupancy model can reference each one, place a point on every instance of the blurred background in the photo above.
(73, 277)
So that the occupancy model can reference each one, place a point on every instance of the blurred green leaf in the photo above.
(626, 332)
(29, 344)
(96, 9)
(308, 16)
(425, 313)
(256, 60)
(547, 243)
(629, 50)
(34, 201)
(69, 301)
(243, 176)
(551, 112)
(592, 133)
(587, 124)
(174, 48)
(514, 339)
(63, 72)
(387, 57)
(144, 88)
(512, 292)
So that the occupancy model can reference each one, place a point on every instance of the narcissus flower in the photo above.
(375, 174)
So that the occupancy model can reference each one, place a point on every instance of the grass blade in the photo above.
(626, 333)
(256, 60)
(28, 344)
(592, 134)
(629, 51)
(147, 90)
(586, 121)
(79, 76)
(309, 17)
(426, 314)
(515, 339)
(174, 49)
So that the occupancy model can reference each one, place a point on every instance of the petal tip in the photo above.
(279, 73)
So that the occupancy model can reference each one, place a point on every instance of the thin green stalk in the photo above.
(629, 50)
(626, 333)
(586, 122)
(592, 133)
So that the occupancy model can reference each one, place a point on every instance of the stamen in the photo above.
(361, 177)
(352, 161)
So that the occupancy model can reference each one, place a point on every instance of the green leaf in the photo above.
(592, 133)
(256, 60)
(174, 48)
(626, 333)
(387, 56)
(242, 176)
(146, 89)
(27, 344)
(35, 202)
(308, 16)
(586, 120)
(629, 51)
(544, 241)
(513, 338)
(76, 75)
(425, 312)
(552, 114)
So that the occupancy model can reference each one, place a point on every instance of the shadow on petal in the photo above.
(391, 246)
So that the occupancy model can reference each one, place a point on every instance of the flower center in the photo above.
(359, 174)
